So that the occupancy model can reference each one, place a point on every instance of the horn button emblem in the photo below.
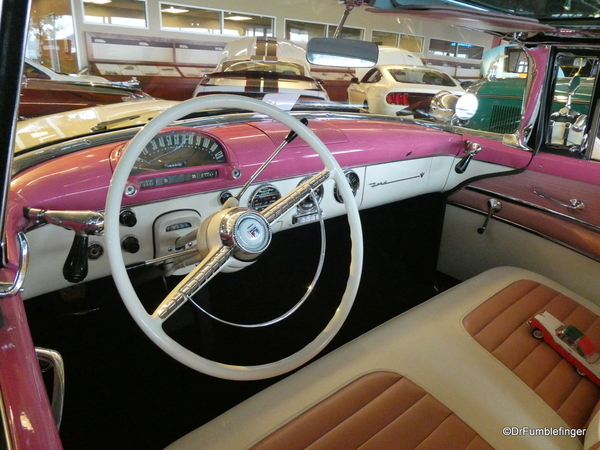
(252, 233)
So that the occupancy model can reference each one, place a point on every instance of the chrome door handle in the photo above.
(573, 203)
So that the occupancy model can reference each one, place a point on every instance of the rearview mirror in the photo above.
(341, 52)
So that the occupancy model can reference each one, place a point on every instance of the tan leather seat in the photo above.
(499, 325)
(467, 356)
(381, 410)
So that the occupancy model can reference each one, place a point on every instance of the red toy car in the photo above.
(569, 342)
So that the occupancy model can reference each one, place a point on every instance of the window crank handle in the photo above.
(494, 207)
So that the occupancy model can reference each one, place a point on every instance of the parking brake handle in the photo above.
(84, 224)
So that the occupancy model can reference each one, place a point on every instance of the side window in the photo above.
(500, 91)
(372, 76)
(569, 120)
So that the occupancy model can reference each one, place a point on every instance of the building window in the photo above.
(516, 62)
(411, 43)
(51, 37)
(468, 51)
(123, 13)
(455, 49)
(190, 20)
(385, 38)
(347, 32)
(303, 31)
(175, 17)
(242, 24)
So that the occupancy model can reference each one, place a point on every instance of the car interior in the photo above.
(232, 272)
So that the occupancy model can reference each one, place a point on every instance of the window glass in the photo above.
(124, 13)
(347, 32)
(422, 76)
(411, 43)
(242, 24)
(571, 103)
(303, 31)
(188, 19)
(51, 37)
(500, 98)
(516, 61)
(286, 68)
(441, 48)
(469, 51)
(372, 77)
(454, 49)
(385, 38)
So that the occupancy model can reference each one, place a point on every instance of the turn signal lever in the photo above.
(471, 150)
(84, 224)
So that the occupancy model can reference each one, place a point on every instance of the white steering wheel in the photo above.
(222, 238)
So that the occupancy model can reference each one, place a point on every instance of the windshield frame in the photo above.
(14, 20)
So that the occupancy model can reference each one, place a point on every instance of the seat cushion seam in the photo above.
(361, 408)
(437, 428)
(517, 326)
(426, 394)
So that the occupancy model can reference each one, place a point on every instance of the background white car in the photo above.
(258, 66)
(387, 89)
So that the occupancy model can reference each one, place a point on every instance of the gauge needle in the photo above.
(289, 138)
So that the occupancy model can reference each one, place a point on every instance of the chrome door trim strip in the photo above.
(519, 201)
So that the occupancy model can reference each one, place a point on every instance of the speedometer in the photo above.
(182, 147)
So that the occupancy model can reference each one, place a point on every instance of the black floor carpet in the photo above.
(122, 392)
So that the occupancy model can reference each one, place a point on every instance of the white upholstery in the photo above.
(427, 344)
(592, 435)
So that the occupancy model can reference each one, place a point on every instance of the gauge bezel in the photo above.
(307, 205)
(256, 192)
(202, 148)
(353, 188)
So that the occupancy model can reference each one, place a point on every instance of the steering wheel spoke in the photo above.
(194, 281)
(288, 201)
(232, 234)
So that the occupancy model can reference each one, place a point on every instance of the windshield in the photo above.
(543, 10)
(169, 53)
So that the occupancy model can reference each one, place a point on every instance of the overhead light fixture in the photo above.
(98, 2)
(172, 10)
(238, 18)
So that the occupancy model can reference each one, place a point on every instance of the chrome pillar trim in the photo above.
(7, 440)
(54, 359)
(11, 288)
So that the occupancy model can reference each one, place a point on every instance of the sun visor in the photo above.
(485, 21)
